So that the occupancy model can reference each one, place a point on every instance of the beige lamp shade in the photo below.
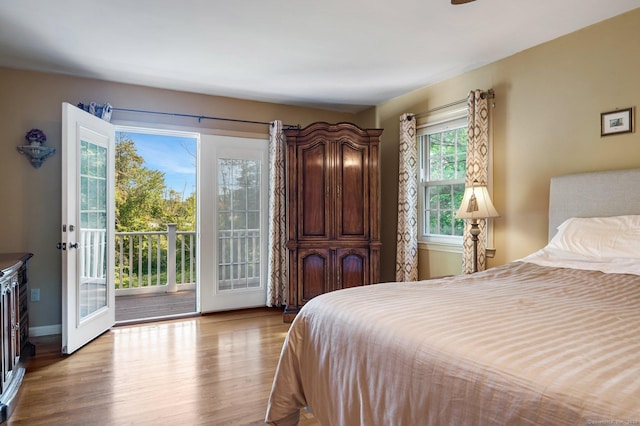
(476, 203)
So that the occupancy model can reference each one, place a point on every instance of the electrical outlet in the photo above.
(35, 294)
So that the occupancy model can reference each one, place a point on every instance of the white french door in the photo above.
(233, 212)
(88, 293)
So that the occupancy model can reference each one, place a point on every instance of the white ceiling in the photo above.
(333, 54)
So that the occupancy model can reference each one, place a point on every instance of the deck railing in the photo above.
(165, 261)
(145, 262)
(155, 261)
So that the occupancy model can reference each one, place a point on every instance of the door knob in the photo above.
(73, 245)
(61, 246)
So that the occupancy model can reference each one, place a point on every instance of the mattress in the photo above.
(520, 344)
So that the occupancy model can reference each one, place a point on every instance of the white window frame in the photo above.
(434, 123)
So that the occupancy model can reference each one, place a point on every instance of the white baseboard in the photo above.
(45, 330)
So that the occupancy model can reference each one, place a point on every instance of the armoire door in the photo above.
(352, 267)
(314, 276)
(314, 190)
(352, 188)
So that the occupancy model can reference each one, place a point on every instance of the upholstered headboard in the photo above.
(609, 193)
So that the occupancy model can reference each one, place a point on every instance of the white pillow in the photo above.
(600, 237)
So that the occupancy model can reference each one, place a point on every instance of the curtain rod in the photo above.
(205, 117)
(489, 94)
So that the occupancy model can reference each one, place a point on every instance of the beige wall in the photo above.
(546, 122)
(31, 211)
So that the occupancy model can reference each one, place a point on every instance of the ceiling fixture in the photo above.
(461, 1)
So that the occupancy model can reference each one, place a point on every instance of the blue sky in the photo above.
(173, 155)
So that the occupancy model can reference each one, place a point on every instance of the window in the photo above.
(443, 153)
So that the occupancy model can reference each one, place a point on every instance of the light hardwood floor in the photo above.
(206, 370)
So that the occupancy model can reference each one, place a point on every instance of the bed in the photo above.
(550, 339)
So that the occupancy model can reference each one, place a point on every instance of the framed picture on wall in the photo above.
(616, 122)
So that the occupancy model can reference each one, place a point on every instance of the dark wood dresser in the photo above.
(333, 210)
(14, 327)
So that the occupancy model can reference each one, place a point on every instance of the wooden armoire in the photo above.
(333, 210)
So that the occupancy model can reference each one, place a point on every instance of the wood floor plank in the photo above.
(207, 370)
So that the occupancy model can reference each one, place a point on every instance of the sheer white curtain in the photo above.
(477, 170)
(407, 239)
(277, 283)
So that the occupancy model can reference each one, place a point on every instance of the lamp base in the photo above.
(475, 231)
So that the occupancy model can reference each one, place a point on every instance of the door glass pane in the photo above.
(238, 224)
(92, 244)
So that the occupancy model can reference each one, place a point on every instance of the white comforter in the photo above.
(520, 344)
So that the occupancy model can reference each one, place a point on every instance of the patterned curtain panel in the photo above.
(407, 239)
(477, 169)
(277, 283)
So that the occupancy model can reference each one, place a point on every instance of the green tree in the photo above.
(179, 210)
(139, 190)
